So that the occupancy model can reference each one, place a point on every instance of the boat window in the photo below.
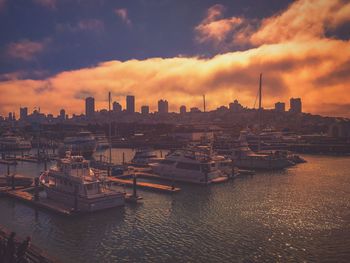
(188, 166)
(89, 187)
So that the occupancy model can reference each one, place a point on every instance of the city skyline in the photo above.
(218, 51)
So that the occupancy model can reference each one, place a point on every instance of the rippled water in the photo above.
(300, 214)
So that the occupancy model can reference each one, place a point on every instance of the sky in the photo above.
(55, 53)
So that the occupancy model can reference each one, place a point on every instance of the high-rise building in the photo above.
(280, 107)
(130, 104)
(235, 106)
(62, 114)
(89, 107)
(145, 109)
(183, 109)
(117, 107)
(295, 105)
(163, 106)
(23, 113)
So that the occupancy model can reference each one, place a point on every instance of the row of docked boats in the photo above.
(72, 181)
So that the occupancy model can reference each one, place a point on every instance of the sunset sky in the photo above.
(54, 53)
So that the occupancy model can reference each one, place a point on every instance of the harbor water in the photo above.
(301, 214)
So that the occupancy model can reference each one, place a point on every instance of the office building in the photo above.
(117, 107)
(183, 109)
(145, 109)
(130, 104)
(163, 106)
(62, 114)
(23, 113)
(280, 107)
(89, 107)
(295, 105)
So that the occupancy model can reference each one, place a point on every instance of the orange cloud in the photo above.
(123, 14)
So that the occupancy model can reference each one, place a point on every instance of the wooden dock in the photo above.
(24, 195)
(155, 176)
(145, 185)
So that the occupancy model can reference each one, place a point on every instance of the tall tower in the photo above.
(130, 104)
(89, 107)
(163, 106)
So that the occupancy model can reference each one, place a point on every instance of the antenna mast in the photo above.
(260, 110)
(110, 128)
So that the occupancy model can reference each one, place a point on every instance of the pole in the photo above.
(134, 186)
(260, 111)
(204, 102)
(110, 128)
(36, 193)
(123, 158)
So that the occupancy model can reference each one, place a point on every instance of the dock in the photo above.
(24, 195)
(144, 185)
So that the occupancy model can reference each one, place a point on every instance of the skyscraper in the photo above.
(130, 104)
(295, 105)
(117, 107)
(62, 114)
(89, 107)
(163, 106)
(183, 109)
(280, 107)
(145, 109)
(23, 113)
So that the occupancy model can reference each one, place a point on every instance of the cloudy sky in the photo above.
(54, 53)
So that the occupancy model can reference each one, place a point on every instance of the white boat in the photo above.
(188, 165)
(13, 143)
(245, 158)
(144, 156)
(72, 183)
(83, 144)
(102, 142)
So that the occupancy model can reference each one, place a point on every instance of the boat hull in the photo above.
(85, 204)
(256, 164)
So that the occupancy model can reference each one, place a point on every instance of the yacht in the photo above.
(74, 184)
(102, 142)
(83, 144)
(12, 143)
(244, 157)
(188, 165)
(143, 157)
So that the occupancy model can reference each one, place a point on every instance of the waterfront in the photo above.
(300, 214)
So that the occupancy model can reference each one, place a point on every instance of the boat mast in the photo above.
(110, 128)
(260, 111)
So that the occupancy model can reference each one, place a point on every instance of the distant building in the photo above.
(280, 107)
(62, 114)
(195, 110)
(130, 104)
(295, 105)
(183, 109)
(23, 113)
(10, 116)
(117, 107)
(235, 106)
(163, 106)
(145, 109)
(89, 107)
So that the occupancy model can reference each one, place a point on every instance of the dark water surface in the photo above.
(300, 214)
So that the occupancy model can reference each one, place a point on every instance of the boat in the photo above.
(83, 144)
(243, 157)
(101, 142)
(74, 184)
(143, 157)
(188, 165)
(14, 143)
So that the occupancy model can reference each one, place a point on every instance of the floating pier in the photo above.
(25, 195)
(145, 185)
